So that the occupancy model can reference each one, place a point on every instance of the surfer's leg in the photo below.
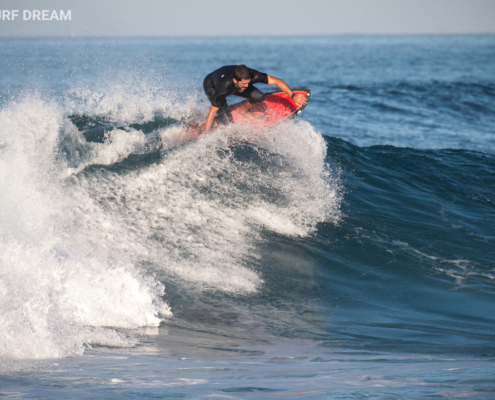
(253, 94)
(257, 96)
(224, 116)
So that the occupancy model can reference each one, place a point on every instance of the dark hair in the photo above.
(242, 72)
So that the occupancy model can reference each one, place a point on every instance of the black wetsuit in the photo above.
(219, 84)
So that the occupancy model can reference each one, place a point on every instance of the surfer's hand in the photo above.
(300, 99)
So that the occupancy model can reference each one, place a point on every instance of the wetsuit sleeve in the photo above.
(258, 77)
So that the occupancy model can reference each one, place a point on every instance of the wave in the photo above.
(444, 196)
(102, 206)
(110, 218)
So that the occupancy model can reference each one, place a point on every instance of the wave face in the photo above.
(365, 225)
(415, 254)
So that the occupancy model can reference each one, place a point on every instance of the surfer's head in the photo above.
(242, 78)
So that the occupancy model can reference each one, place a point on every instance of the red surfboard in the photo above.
(276, 107)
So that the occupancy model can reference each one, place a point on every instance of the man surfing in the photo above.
(237, 80)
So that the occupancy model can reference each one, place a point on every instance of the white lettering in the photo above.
(36, 15)
(65, 17)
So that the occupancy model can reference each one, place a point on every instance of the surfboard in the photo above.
(276, 107)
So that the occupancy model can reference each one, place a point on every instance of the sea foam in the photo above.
(56, 292)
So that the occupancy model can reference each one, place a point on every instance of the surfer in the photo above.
(238, 80)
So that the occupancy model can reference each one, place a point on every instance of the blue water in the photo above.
(346, 254)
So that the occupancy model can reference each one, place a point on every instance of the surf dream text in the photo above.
(36, 15)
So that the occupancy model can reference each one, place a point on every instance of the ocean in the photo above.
(346, 254)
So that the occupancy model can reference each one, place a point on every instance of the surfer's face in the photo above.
(242, 84)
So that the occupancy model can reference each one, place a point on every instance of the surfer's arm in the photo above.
(298, 98)
(210, 119)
